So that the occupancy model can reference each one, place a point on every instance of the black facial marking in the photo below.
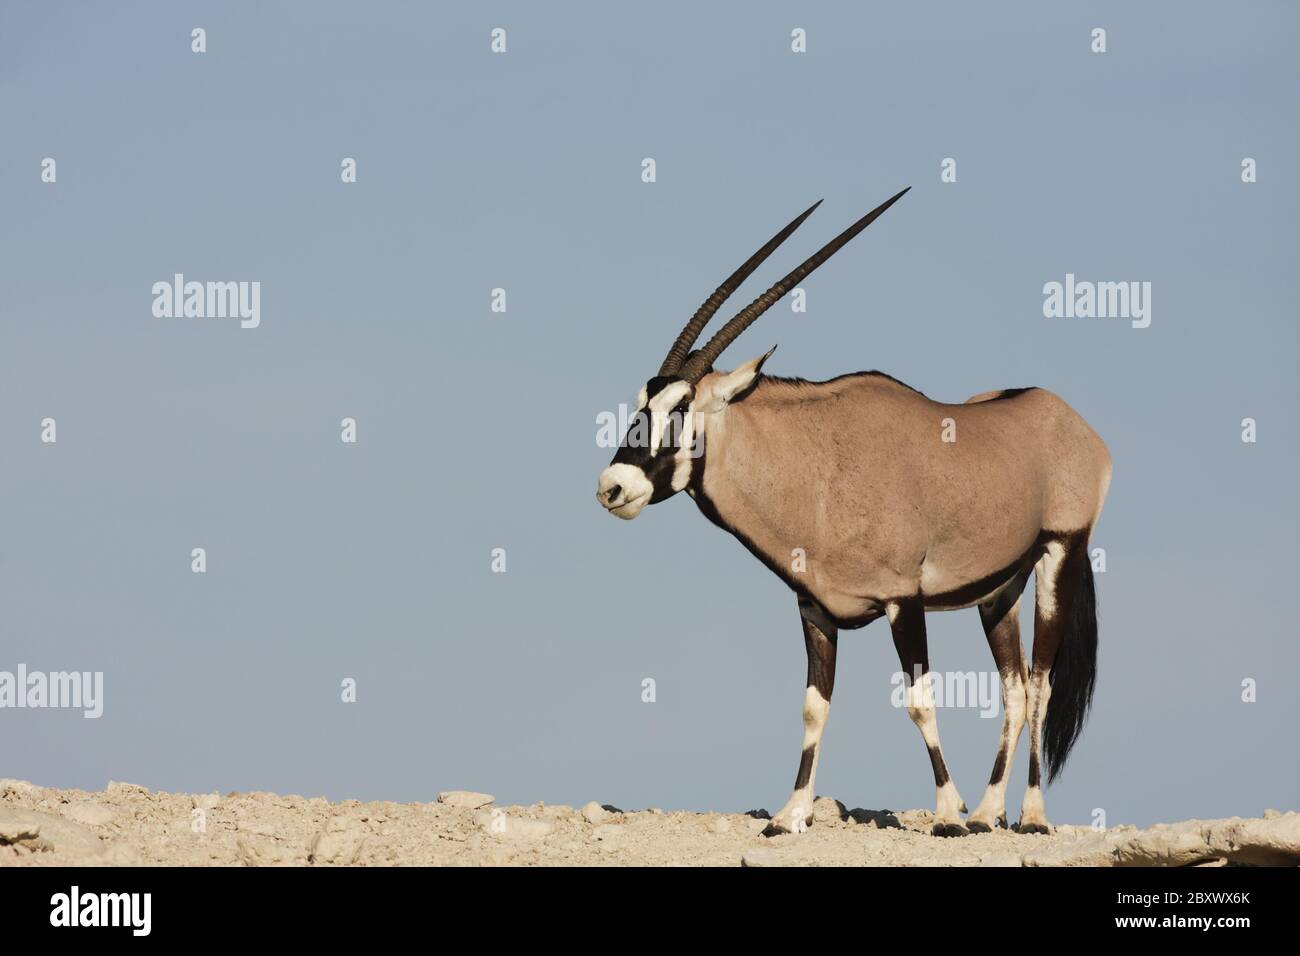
(635, 447)
(638, 435)
(658, 384)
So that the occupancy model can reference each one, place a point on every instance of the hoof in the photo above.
(1033, 828)
(949, 830)
(979, 826)
(777, 828)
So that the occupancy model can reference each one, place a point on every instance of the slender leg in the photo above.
(907, 621)
(819, 637)
(1001, 619)
(1055, 585)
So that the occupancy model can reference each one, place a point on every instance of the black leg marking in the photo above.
(938, 766)
(820, 637)
(1000, 763)
(805, 768)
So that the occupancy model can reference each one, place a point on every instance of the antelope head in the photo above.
(657, 454)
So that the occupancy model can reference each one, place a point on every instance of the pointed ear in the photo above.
(723, 388)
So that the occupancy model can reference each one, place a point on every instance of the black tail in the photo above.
(1074, 673)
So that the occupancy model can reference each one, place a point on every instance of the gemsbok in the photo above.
(868, 498)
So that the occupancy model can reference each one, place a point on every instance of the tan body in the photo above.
(857, 474)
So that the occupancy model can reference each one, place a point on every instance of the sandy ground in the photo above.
(128, 825)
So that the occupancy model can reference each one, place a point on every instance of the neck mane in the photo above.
(800, 387)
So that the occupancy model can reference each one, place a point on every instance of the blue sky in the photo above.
(477, 429)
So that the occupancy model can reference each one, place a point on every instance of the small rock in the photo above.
(1164, 845)
(247, 852)
(119, 854)
(205, 801)
(91, 814)
(499, 824)
(1269, 814)
(719, 825)
(759, 858)
(465, 798)
(1270, 842)
(557, 811)
(9, 785)
(921, 820)
(116, 788)
(46, 832)
(1096, 848)
(608, 831)
(254, 852)
(340, 841)
(16, 831)
(828, 810)
(593, 812)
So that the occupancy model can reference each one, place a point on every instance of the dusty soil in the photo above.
(129, 825)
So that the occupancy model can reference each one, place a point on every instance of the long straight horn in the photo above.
(693, 370)
(677, 354)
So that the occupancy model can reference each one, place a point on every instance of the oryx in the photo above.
(868, 498)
